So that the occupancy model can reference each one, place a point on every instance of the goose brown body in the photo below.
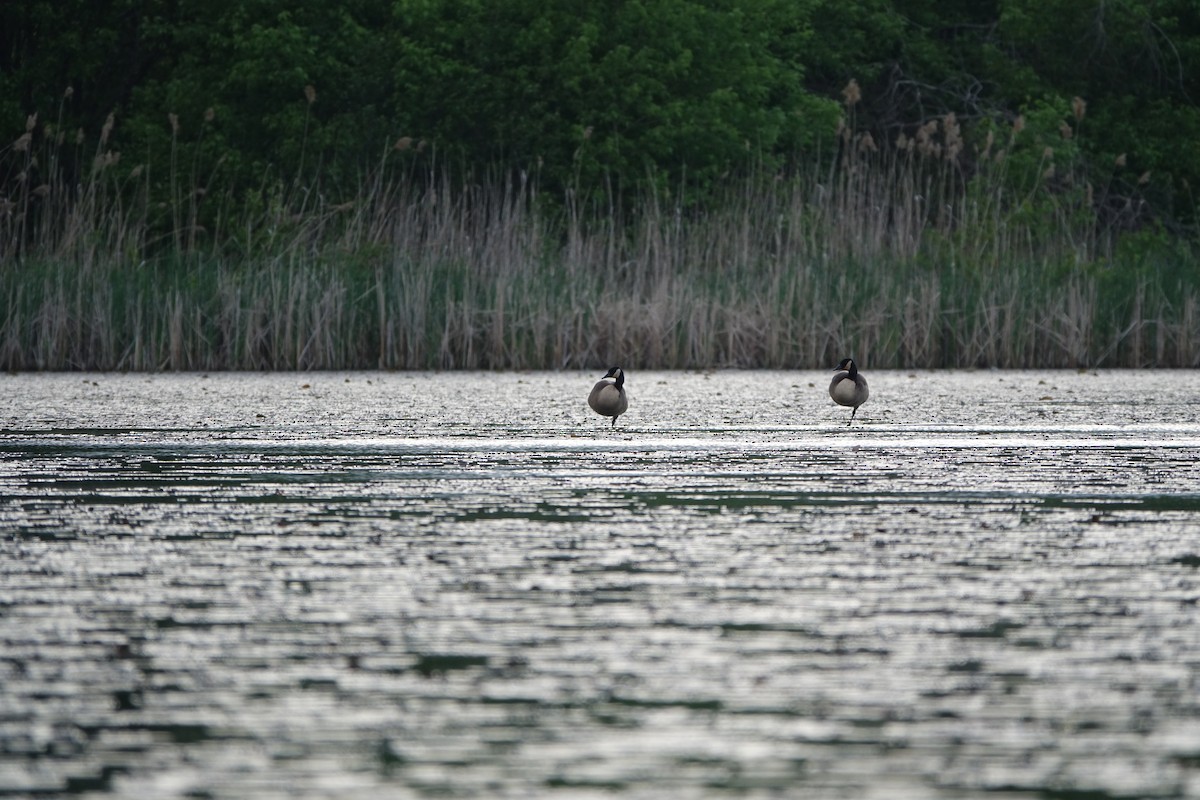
(608, 396)
(849, 387)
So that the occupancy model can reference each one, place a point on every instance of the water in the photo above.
(375, 585)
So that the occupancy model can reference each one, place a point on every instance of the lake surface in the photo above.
(374, 585)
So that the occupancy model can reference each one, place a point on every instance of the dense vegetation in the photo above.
(678, 183)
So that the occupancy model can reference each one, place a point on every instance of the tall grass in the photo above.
(917, 253)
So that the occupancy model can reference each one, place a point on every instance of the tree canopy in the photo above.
(601, 92)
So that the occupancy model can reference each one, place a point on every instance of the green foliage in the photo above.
(1136, 63)
(1153, 256)
(591, 92)
(223, 110)
(584, 94)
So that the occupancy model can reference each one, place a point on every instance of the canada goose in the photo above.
(608, 395)
(848, 387)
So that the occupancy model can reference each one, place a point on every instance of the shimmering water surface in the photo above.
(375, 585)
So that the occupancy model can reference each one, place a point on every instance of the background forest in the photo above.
(546, 184)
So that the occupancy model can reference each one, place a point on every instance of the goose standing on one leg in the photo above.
(848, 387)
(608, 395)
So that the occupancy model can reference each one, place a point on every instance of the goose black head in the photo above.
(848, 365)
(618, 376)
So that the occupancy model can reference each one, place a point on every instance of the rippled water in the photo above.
(376, 585)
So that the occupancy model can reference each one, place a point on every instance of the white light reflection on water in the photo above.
(389, 585)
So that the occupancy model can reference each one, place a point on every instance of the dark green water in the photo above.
(405, 586)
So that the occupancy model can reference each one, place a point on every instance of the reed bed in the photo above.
(898, 255)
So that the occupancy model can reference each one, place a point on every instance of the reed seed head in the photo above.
(31, 122)
(310, 93)
(950, 127)
(209, 114)
(1119, 161)
(68, 93)
(22, 142)
(105, 160)
(42, 190)
(852, 93)
(1144, 178)
(106, 130)
(925, 135)
(1064, 130)
(1018, 124)
(174, 120)
(952, 135)
(403, 143)
(1078, 108)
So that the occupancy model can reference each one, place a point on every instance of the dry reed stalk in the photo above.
(1189, 331)
(922, 315)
